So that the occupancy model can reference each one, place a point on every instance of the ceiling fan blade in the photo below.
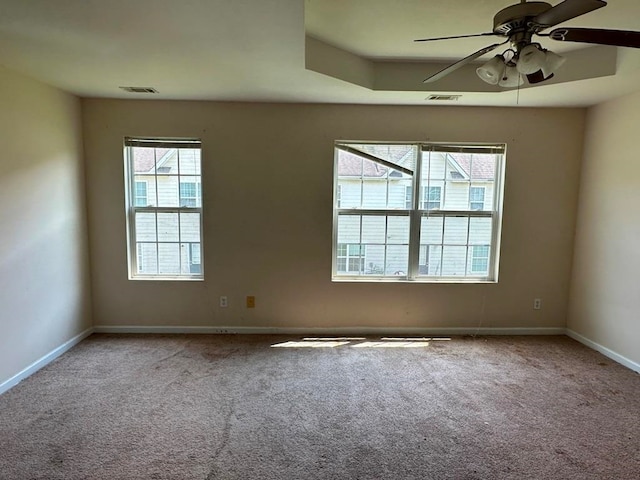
(566, 11)
(619, 38)
(460, 63)
(457, 36)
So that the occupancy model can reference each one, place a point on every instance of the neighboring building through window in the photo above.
(190, 194)
(449, 233)
(350, 258)
(140, 194)
(476, 198)
(431, 198)
(408, 197)
(164, 208)
(480, 259)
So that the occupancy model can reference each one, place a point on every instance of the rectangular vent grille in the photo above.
(447, 98)
(139, 89)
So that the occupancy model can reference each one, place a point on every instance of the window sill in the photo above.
(459, 281)
(167, 279)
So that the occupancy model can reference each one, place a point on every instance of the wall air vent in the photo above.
(446, 98)
(139, 89)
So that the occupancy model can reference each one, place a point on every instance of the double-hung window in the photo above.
(164, 208)
(450, 231)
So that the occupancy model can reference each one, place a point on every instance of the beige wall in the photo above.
(44, 292)
(605, 293)
(268, 221)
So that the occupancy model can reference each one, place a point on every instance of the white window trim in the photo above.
(131, 209)
(416, 215)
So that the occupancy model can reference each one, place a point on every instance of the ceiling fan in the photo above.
(524, 57)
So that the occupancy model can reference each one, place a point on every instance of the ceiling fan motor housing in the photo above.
(515, 18)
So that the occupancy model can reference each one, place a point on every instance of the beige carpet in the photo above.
(235, 407)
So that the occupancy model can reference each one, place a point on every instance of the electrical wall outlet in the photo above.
(537, 303)
(224, 301)
(251, 301)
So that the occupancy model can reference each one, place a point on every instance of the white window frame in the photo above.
(420, 211)
(133, 247)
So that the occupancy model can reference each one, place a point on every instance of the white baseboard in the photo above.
(42, 362)
(604, 350)
(362, 331)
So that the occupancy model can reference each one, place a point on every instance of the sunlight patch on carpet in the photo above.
(358, 342)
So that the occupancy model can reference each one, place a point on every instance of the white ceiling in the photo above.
(254, 50)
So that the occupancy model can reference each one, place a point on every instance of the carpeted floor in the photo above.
(235, 407)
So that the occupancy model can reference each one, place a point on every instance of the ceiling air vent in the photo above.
(446, 98)
(139, 89)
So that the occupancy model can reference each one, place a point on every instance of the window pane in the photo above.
(398, 230)
(431, 230)
(190, 227)
(194, 261)
(364, 183)
(400, 195)
(433, 166)
(167, 190)
(374, 192)
(145, 227)
(480, 231)
(373, 229)
(189, 161)
(144, 160)
(431, 260)
(476, 198)
(455, 230)
(457, 196)
(195, 253)
(190, 192)
(408, 197)
(374, 260)
(140, 194)
(397, 262)
(350, 259)
(401, 155)
(147, 258)
(144, 191)
(479, 259)
(483, 166)
(349, 229)
(460, 170)
(168, 227)
(169, 258)
(350, 193)
(454, 260)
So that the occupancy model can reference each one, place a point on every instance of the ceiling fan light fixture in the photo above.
(538, 77)
(552, 62)
(511, 77)
(530, 59)
(492, 71)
